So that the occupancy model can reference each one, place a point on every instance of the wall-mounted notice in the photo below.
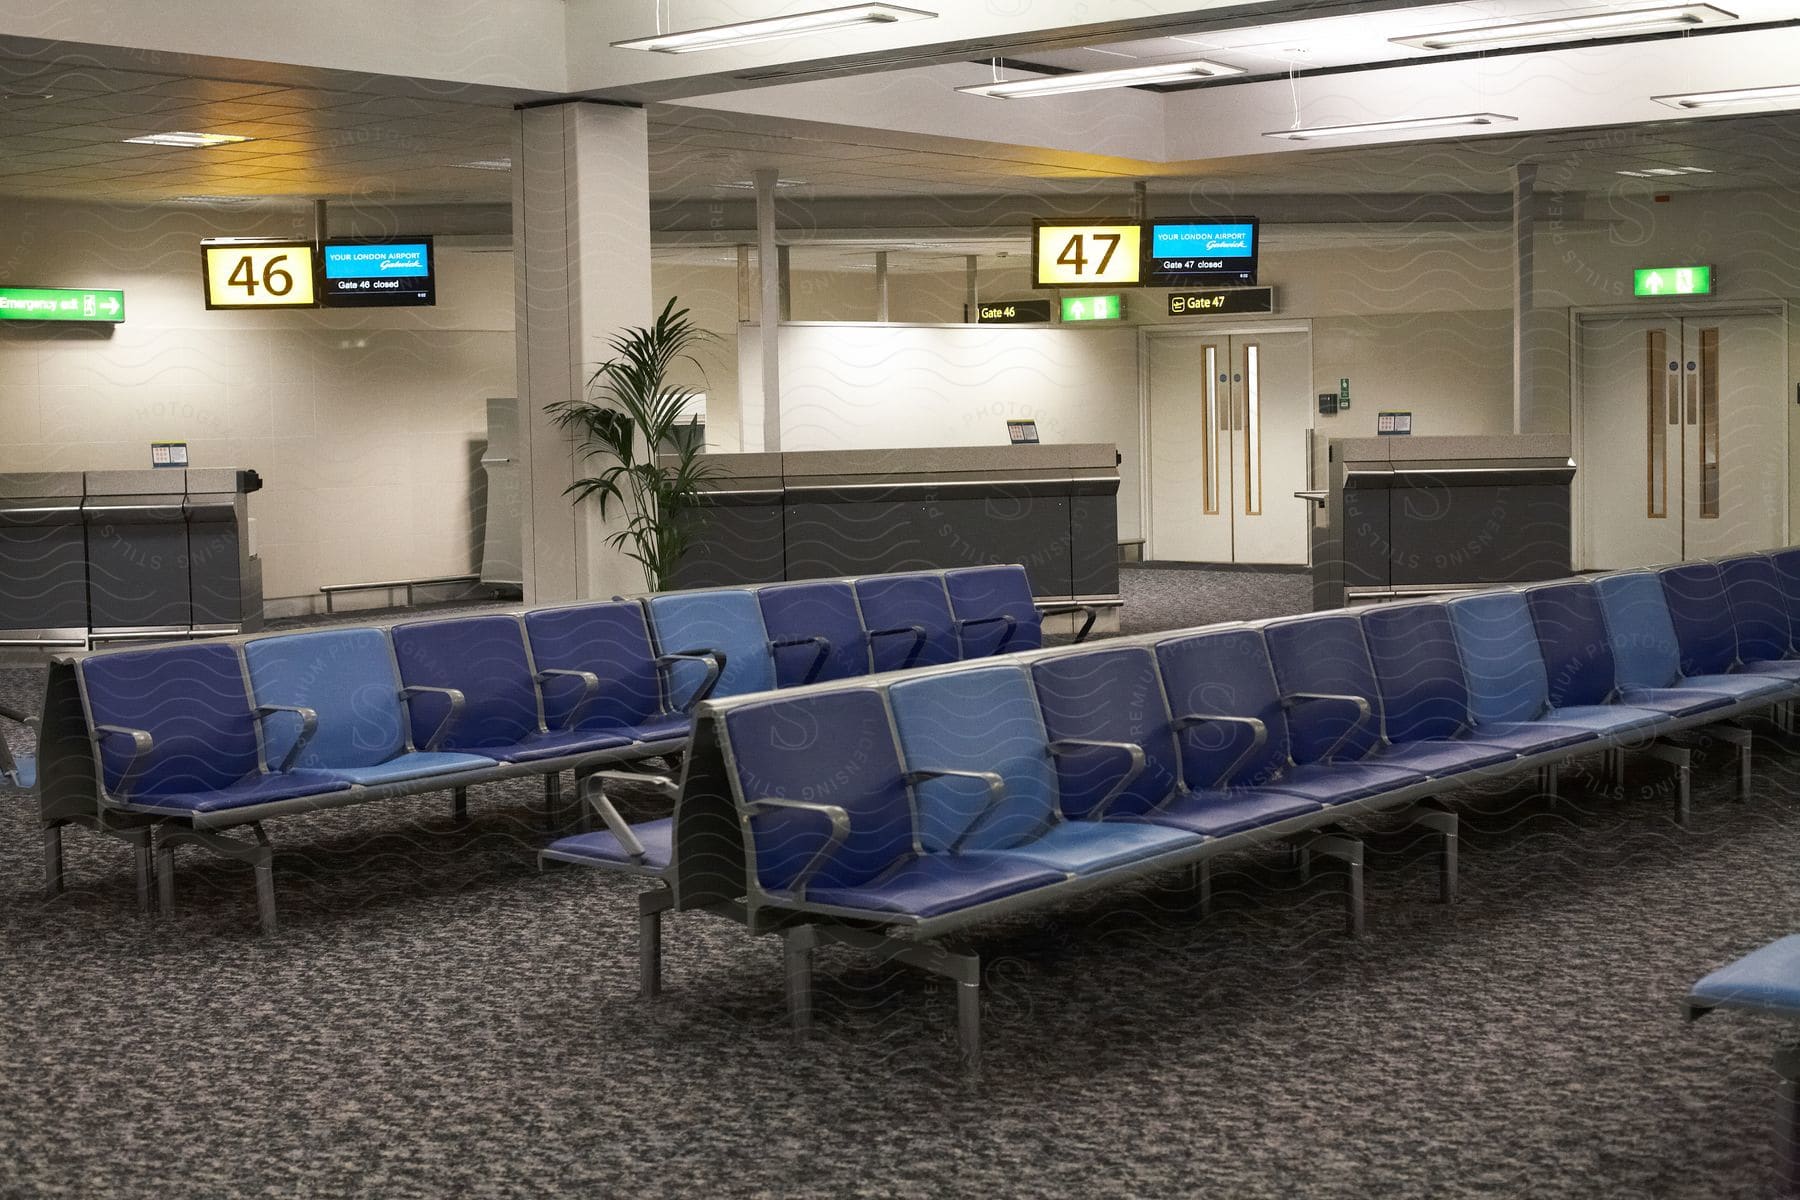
(62, 304)
(1222, 302)
(168, 454)
(371, 273)
(257, 273)
(1022, 433)
(1389, 423)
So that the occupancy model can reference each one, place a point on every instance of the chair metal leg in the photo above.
(53, 861)
(459, 805)
(265, 894)
(552, 802)
(651, 906)
(146, 873)
(259, 854)
(797, 948)
(1682, 759)
(1335, 844)
(165, 878)
(1444, 823)
(1741, 740)
(1550, 779)
(968, 1022)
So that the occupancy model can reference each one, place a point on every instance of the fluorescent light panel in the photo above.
(742, 33)
(749, 185)
(488, 164)
(1601, 24)
(188, 141)
(1665, 172)
(1331, 131)
(1089, 81)
(1724, 99)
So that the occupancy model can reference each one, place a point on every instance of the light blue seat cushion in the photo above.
(1766, 979)
(417, 765)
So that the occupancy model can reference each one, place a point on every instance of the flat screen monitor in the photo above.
(1218, 252)
(378, 272)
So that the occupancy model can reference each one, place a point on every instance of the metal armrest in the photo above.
(1363, 712)
(594, 793)
(1006, 635)
(840, 830)
(918, 646)
(590, 683)
(996, 787)
(1135, 760)
(715, 667)
(309, 725)
(141, 744)
(818, 662)
(1058, 610)
(13, 714)
(1258, 739)
(457, 701)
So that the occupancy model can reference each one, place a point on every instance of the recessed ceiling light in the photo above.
(1088, 81)
(1330, 131)
(488, 164)
(188, 141)
(1636, 174)
(741, 33)
(215, 201)
(1600, 24)
(749, 185)
(1665, 172)
(1750, 95)
(25, 97)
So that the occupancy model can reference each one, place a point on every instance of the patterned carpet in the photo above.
(437, 1017)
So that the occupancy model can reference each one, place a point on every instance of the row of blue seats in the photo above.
(212, 735)
(892, 812)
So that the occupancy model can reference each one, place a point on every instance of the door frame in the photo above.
(1201, 328)
(1676, 311)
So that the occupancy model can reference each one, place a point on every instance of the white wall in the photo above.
(364, 425)
(868, 387)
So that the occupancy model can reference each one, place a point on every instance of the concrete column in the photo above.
(746, 283)
(581, 273)
(1540, 368)
(767, 436)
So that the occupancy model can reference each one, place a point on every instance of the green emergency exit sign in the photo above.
(1672, 281)
(1093, 308)
(61, 304)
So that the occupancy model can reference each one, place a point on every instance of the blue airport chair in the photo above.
(820, 837)
(1703, 615)
(599, 673)
(909, 621)
(175, 734)
(1647, 653)
(1425, 691)
(347, 680)
(726, 624)
(1759, 613)
(471, 689)
(984, 772)
(1579, 671)
(815, 631)
(996, 613)
(1328, 684)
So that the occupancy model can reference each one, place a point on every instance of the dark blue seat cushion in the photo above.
(1532, 737)
(1701, 612)
(1109, 694)
(1767, 979)
(600, 848)
(1759, 608)
(1438, 759)
(538, 747)
(1326, 654)
(983, 598)
(1088, 847)
(485, 659)
(1684, 701)
(1424, 694)
(928, 885)
(1607, 719)
(827, 609)
(256, 789)
(193, 702)
(1225, 672)
(1342, 782)
(1216, 812)
(898, 602)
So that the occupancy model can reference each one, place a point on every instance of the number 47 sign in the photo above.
(258, 274)
(1071, 255)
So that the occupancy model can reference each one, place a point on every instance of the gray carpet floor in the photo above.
(437, 1017)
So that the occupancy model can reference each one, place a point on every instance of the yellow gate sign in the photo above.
(258, 274)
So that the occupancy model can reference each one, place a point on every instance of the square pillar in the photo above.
(581, 273)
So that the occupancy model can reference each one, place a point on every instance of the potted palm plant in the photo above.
(634, 422)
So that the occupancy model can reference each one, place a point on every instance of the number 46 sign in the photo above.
(258, 274)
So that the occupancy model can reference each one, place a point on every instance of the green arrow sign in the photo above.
(61, 304)
(1093, 308)
(1672, 281)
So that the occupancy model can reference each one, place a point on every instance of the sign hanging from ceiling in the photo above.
(1087, 254)
(1222, 302)
(376, 273)
(1190, 253)
(1093, 308)
(1672, 281)
(258, 273)
(1012, 312)
(62, 304)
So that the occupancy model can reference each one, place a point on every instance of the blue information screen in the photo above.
(1218, 252)
(376, 273)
